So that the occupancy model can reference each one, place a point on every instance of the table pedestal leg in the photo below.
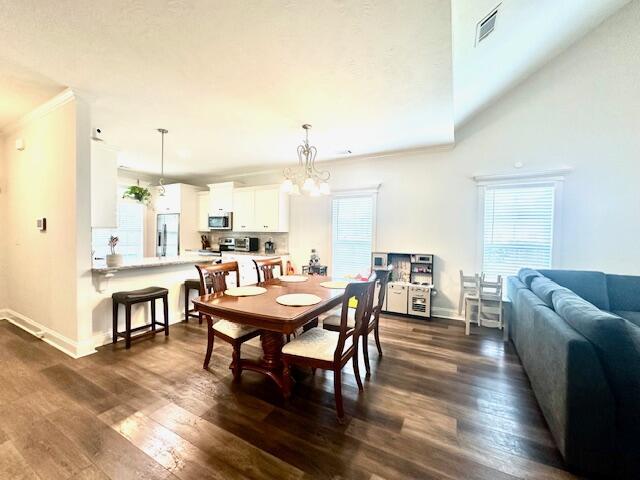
(271, 362)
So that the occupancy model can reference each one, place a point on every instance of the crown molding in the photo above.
(40, 111)
(556, 174)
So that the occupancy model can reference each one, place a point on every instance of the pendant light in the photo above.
(306, 178)
(162, 131)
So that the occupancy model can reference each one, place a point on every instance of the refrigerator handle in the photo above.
(159, 238)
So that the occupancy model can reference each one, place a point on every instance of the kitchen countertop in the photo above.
(151, 262)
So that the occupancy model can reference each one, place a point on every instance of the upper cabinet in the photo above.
(202, 211)
(260, 209)
(104, 186)
(220, 198)
(170, 202)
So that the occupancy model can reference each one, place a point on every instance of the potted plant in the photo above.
(113, 259)
(138, 193)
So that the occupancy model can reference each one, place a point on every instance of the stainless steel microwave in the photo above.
(222, 221)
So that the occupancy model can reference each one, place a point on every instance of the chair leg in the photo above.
(153, 315)
(356, 370)
(186, 304)
(235, 363)
(210, 338)
(165, 302)
(127, 327)
(199, 319)
(115, 322)
(365, 353)
(337, 388)
(376, 335)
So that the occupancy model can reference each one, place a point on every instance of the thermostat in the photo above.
(41, 224)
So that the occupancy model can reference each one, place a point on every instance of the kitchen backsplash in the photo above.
(281, 240)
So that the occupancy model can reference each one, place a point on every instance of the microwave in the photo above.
(379, 261)
(220, 222)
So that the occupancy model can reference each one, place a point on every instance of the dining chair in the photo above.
(319, 348)
(490, 301)
(213, 280)
(468, 288)
(332, 322)
(266, 266)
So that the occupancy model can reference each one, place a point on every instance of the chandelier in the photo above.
(305, 177)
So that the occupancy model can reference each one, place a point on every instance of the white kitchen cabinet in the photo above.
(397, 298)
(104, 186)
(170, 202)
(220, 198)
(202, 211)
(260, 209)
(244, 210)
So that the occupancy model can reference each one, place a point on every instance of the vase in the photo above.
(114, 260)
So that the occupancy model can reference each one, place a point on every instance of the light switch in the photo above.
(19, 144)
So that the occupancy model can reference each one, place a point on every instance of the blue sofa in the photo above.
(578, 336)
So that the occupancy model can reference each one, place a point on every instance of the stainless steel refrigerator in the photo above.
(168, 235)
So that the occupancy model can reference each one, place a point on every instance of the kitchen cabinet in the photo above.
(397, 298)
(170, 202)
(220, 198)
(243, 210)
(202, 211)
(260, 209)
(104, 186)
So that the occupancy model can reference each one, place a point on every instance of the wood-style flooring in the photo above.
(438, 405)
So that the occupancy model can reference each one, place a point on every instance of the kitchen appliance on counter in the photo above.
(227, 244)
(409, 291)
(168, 235)
(269, 247)
(222, 221)
(247, 244)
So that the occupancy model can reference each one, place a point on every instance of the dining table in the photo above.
(276, 321)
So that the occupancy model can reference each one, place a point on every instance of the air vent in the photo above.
(486, 25)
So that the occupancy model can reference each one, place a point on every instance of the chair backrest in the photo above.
(213, 278)
(469, 283)
(490, 290)
(267, 266)
(363, 292)
(383, 277)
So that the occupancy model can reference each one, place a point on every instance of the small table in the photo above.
(273, 319)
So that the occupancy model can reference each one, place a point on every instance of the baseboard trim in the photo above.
(446, 313)
(57, 340)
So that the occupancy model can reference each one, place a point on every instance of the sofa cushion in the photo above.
(592, 286)
(617, 344)
(544, 288)
(633, 317)
(624, 292)
(526, 275)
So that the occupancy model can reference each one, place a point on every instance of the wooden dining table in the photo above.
(275, 320)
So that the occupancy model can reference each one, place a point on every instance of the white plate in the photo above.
(298, 299)
(339, 284)
(245, 291)
(293, 278)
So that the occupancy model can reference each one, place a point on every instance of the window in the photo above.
(518, 227)
(353, 220)
(130, 231)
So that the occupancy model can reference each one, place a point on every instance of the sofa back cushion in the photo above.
(544, 288)
(526, 276)
(592, 286)
(624, 292)
(617, 344)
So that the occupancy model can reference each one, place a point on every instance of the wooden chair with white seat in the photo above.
(213, 280)
(468, 288)
(319, 348)
(267, 266)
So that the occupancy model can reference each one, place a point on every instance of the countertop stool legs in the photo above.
(129, 298)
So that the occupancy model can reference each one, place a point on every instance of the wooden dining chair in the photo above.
(267, 266)
(319, 348)
(332, 322)
(213, 280)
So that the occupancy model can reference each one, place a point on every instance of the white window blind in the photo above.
(352, 239)
(518, 228)
(130, 231)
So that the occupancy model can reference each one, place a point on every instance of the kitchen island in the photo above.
(166, 272)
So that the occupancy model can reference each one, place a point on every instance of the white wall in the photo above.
(582, 110)
(49, 271)
(3, 223)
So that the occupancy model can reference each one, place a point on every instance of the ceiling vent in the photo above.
(486, 25)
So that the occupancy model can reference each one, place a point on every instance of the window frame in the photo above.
(555, 180)
(369, 192)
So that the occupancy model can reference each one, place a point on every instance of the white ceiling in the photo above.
(528, 33)
(234, 80)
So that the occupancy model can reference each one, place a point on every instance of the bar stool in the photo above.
(191, 284)
(128, 298)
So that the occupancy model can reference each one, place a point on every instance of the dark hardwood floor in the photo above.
(438, 405)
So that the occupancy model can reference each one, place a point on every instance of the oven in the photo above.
(419, 303)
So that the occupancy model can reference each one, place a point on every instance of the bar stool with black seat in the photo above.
(189, 285)
(213, 279)
(132, 297)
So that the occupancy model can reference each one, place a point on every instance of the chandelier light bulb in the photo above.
(287, 186)
(309, 185)
(295, 190)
